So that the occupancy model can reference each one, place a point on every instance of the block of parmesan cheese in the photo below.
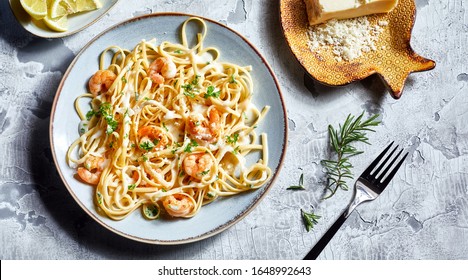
(320, 11)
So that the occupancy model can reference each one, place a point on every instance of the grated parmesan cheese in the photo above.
(349, 38)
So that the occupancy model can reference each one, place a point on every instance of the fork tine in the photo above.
(377, 170)
(374, 163)
(389, 166)
(394, 171)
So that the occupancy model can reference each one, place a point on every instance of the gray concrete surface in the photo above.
(422, 215)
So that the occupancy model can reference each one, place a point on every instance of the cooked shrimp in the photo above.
(197, 165)
(178, 205)
(162, 68)
(152, 138)
(101, 81)
(91, 172)
(203, 129)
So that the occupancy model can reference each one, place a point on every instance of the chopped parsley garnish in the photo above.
(232, 80)
(90, 114)
(176, 147)
(131, 187)
(178, 51)
(145, 158)
(99, 197)
(147, 145)
(203, 173)
(190, 88)
(182, 173)
(105, 111)
(124, 79)
(232, 139)
(195, 80)
(151, 211)
(236, 150)
(211, 93)
(165, 127)
(190, 145)
(82, 130)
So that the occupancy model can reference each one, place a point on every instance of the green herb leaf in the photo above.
(151, 211)
(300, 186)
(147, 145)
(232, 139)
(99, 197)
(190, 145)
(195, 80)
(188, 90)
(211, 93)
(309, 219)
(90, 114)
(105, 111)
(176, 147)
(338, 168)
(232, 80)
(131, 187)
(178, 51)
(205, 172)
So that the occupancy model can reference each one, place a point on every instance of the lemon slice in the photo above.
(60, 8)
(87, 5)
(35, 8)
(59, 24)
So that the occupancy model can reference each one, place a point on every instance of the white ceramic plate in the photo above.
(76, 22)
(214, 217)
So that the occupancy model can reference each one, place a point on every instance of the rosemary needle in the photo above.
(300, 186)
(310, 219)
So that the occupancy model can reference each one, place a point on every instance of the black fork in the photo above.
(368, 187)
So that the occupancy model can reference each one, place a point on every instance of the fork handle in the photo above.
(322, 243)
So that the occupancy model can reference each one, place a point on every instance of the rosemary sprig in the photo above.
(310, 219)
(353, 130)
(300, 186)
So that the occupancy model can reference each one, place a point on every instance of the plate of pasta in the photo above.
(168, 128)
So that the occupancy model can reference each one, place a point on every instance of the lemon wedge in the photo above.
(35, 8)
(60, 8)
(59, 24)
(87, 5)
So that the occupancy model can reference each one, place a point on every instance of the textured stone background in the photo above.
(422, 215)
